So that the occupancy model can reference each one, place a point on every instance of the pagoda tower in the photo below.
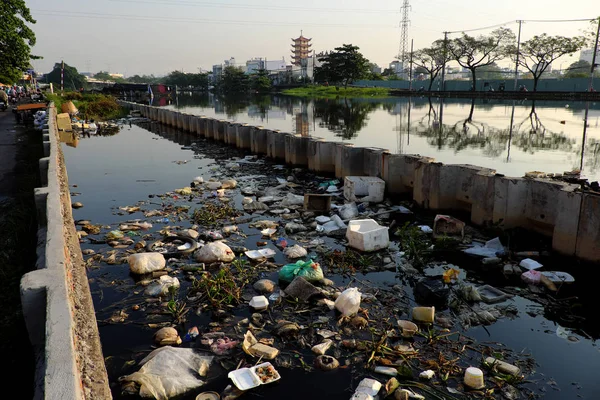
(300, 49)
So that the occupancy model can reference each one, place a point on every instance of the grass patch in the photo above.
(221, 289)
(211, 213)
(90, 105)
(336, 91)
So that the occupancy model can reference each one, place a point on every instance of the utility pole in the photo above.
(62, 77)
(594, 51)
(445, 58)
(517, 55)
(410, 72)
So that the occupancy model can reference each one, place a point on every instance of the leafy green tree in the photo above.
(261, 82)
(188, 79)
(537, 54)
(143, 79)
(492, 71)
(103, 76)
(343, 65)
(579, 69)
(16, 40)
(431, 60)
(474, 53)
(73, 80)
(234, 80)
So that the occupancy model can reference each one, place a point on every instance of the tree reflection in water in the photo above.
(343, 117)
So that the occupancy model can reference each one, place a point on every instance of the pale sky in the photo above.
(158, 36)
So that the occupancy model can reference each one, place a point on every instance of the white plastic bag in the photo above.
(162, 286)
(292, 200)
(213, 252)
(144, 263)
(296, 251)
(349, 302)
(348, 211)
(168, 372)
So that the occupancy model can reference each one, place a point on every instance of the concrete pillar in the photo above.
(373, 162)
(510, 202)
(399, 172)
(276, 144)
(200, 126)
(243, 136)
(482, 198)
(221, 130)
(349, 160)
(230, 133)
(566, 225)
(186, 122)
(210, 128)
(588, 234)
(259, 140)
(296, 150)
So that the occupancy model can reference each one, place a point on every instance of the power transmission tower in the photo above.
(404, 23)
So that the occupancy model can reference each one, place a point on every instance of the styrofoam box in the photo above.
(246, 378)
(367, 235)
(364, 188)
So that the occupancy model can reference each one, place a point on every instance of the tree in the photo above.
(474, 53)
(538, 53)
(431, 60)
(492, 71)
(261, 82)
(234, 80)
(103, 76)
(16, 40)
(579, 69)
(73, 80)
(343, 65)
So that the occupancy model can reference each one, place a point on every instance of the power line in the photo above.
(75, 14)
(560, 20)
(483, 28)
(256, 7)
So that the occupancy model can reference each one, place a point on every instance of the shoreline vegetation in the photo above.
(91, 106)
(336, 91)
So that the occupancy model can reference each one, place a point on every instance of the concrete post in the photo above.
(588, 234)
(259, 140)
(243, 136)
(276, 144)
(230, 131)
(374, 159)
(296, 150)
(510, 201)
(221, 130)
(349, 160)
(186, 122)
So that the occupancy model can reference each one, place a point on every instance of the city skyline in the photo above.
(153, 37)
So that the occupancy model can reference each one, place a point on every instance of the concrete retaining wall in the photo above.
(549, 207)
(57, 304)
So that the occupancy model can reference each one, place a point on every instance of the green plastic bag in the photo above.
(309, 270)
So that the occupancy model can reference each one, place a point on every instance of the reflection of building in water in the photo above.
(302, 115)
(69, 138)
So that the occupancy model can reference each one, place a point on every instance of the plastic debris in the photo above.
(167, 336)
(301, 289)
(144, 263)
(162, 286)
(427, 375)
(474, 378)
(213, 252)
(348, 303)
(492, 249)
(322, 348)
(252, 347)
(424, 314)
(530, 264)
(309, 270)
(259, 303)
(296, 251)
(260, 254)
(367, 235)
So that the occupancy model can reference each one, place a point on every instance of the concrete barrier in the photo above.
(56, 299)
(548, 207)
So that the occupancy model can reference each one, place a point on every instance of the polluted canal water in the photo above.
(137, 188)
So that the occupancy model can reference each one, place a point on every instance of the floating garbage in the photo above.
(490, 294)
(407, 329)
(348, 303)
(259, 303)
(474, 378)
(309, 270)
(168, 372)
(296, 251)
(268, 232)
(427, 375)
(144, 263)
(558, 277)
(348, 211)
(445, 225)
(424, 314)
(503, 367)
(367, 235)
(491, 249)
(162, 286)
(213, 252)
(367, 389)
(252, 347)
(390, 371)
(167, 336)
(533, 277)
(261, 254)
(322, 348)
(249, 378)
(530, 264)
(425, 229)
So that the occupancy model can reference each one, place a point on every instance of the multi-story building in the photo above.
(300, 49)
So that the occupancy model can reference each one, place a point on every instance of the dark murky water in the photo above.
(120, 170)
(545, 136)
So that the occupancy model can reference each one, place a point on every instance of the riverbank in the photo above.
(91, 106)
(336, 91)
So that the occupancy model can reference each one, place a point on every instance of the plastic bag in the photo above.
(296, 251)
(144, 263)
(213, 252)
(348, 211)
(162, 286)
(348, 302)
(168, 372)
(309, 270)
(533, 277)
(292, 200)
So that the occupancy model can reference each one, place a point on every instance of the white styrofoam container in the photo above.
(259, 303)
(367, 235)
(530, 264)
(246, 378)
(364, 188)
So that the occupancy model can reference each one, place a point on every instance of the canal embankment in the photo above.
(554, 208)
(56, 299)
